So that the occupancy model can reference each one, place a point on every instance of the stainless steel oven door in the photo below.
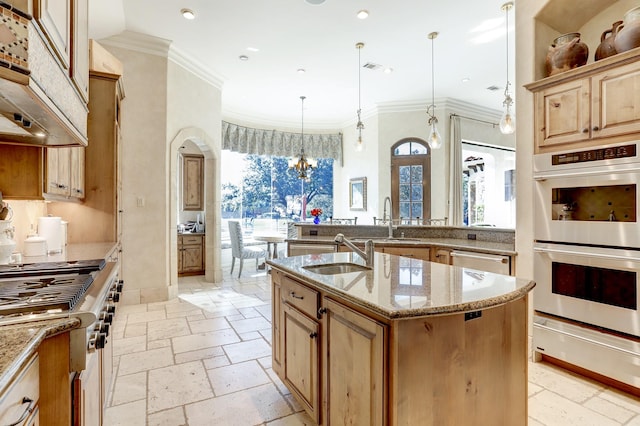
(597, 286)
(591, 206)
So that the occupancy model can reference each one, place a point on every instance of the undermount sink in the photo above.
(336, 268)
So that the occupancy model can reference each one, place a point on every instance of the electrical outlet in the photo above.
(313, 232)
(471, 236)
(472, 315)
(140, 201)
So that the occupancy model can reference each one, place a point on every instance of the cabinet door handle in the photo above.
(321, 311)
(313, 335)
(596, 128)
(27, 411)
(585, 130)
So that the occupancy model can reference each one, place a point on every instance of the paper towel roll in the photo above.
(50, 228)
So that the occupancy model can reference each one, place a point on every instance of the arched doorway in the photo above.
(213, 269)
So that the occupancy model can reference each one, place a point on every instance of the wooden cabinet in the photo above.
(354, 367)
(441, 369)
(80, 47)
(421, 253)
(590, 105)
(65, 172)
(20, 401)
(191, 254)
(54, 17)
(346, 344)
(88, 394)
(441, 255)
(192, 182)
(21, 172)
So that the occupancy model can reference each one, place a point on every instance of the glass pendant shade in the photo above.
(359, 145)
(508, 121)
(434, 139)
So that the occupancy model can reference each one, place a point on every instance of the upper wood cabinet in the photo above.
(594, 104)
(65, 172)
(192, 182)
(80, 47)
(54, 17)
(21, 172)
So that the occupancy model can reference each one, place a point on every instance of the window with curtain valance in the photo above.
(283, 144)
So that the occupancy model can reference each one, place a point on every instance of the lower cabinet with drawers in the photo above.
(191, 254)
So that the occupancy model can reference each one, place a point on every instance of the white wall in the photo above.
(161, 99)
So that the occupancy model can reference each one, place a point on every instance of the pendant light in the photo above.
(359, 126)
(434, 139)
(302, 165)
(508, 119)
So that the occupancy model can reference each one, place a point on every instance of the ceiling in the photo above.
(469, 52)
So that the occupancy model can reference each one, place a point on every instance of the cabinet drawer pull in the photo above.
(26, 412)
(313, 335)
(295, 296)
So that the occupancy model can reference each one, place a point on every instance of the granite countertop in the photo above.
(20, 341)
(452, 243)
(400, 287)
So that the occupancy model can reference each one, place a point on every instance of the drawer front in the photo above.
(192, 239)
(27, 385)
(300, 296)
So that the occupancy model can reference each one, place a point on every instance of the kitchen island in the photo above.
(405, 342)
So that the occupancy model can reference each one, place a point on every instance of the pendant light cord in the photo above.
(302, 98)
(506, 11)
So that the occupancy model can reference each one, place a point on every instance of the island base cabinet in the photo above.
(353, 366)
(301, 359)
(461, 369)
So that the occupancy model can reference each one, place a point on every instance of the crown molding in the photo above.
(157, 46)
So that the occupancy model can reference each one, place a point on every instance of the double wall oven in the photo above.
(587, 259)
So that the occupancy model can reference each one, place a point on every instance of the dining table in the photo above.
(272, 241)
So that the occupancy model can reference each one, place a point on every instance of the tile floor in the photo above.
(205, 359)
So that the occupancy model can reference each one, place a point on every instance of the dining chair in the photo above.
(239, 251)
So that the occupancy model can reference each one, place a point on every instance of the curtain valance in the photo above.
(284, 144)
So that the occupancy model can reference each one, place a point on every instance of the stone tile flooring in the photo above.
(205, 359)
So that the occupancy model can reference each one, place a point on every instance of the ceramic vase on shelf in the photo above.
(607, 46)
(627, 35)
(566, 52)
(316, 220)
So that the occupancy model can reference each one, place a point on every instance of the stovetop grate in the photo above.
(51, 268)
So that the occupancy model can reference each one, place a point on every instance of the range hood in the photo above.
(38, 102)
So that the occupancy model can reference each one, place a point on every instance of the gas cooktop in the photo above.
(46, 294)
(51, 268)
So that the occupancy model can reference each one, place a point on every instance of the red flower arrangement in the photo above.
(316, 212)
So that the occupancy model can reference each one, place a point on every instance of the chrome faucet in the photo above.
(367, 254)
(384, 214)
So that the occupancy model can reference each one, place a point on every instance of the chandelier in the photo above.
(359, 124)
(302, 165)
(434, 139)
(508, 120)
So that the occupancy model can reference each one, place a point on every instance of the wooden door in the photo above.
(192, 258)
(301, 350)
(80, 47)
(354, 367)
(54, 17)
(58, 171)
(276, 314)
(616, 101)
(77, 162)
(562, 114)
(87, 394)
(192, 182)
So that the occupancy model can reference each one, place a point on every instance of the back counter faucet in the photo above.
(384, 214)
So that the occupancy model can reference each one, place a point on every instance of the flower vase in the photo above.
(316, 220)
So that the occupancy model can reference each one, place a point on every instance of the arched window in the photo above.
(411, 179)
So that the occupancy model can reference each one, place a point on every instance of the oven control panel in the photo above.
(595, 154)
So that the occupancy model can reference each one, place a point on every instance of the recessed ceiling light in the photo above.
(243, 57)
(315, 2)
(188, 14)
(253, 49)
(363, 14)
(466, 80)
(301, 71)
(388, 70)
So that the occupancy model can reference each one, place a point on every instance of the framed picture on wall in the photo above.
(358, 193)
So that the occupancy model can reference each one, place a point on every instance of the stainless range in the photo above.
(87, 290)
(587, 259)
